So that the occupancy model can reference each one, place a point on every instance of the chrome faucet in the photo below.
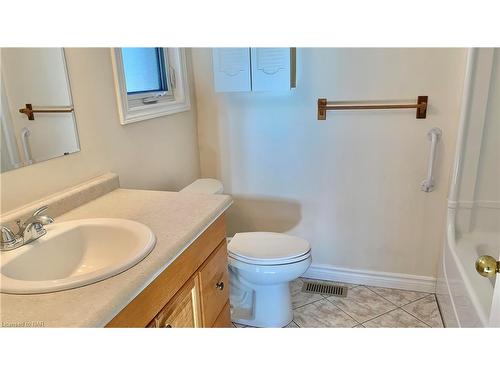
(29, 231)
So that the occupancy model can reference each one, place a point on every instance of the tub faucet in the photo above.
(29, 231)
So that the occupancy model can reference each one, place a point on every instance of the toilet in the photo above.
(261, 266)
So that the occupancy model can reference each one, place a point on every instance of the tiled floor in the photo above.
(364, 306)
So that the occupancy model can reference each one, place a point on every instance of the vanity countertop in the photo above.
(176, 219)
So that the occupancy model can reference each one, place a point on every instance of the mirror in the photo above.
(36, 112)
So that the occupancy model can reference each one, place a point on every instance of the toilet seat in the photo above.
(261, 262)
(268, 248)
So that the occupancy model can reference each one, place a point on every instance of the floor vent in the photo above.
(324, 288)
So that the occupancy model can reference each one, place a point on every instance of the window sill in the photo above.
(150, 111)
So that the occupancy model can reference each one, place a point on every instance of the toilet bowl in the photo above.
(261, 266)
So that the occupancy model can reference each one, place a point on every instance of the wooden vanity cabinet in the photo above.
(224, 318)
(214, 286)
(193, 291)
(183, 311)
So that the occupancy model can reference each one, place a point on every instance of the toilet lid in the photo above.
(267, 246)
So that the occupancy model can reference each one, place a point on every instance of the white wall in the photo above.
(156, 154)
(350, 184)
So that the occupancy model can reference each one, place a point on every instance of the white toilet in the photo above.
(261, 266)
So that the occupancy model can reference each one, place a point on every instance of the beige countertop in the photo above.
(177, 219)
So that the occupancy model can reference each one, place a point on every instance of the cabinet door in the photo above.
(231, 69)
(271, 69)
(224, 318)
(214, 285)
(182, 311)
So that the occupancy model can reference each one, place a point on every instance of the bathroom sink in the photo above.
(73, 254)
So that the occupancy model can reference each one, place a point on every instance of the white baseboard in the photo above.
(372, 278)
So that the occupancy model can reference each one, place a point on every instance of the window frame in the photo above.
(131, 107)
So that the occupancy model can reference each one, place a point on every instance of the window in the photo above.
(144, 70)
(150, 82)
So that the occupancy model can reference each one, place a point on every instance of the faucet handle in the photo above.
(9, 241)
(8, 237)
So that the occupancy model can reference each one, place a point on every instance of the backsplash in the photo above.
(65, 200)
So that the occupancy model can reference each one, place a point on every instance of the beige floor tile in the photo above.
(322, 314)
(426, 309)
(300, 298)
(362, 304)
(395, 319)
(397, 296)
(367, 305)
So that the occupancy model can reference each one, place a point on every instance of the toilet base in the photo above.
(272, 306)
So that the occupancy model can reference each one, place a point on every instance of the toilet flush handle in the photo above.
(220, 285)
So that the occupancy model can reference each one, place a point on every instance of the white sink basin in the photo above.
(73, 254)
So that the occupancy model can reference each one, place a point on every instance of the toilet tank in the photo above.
(204, 186)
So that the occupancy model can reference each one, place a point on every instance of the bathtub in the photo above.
(464, 296)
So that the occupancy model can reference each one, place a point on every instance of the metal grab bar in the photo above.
(428, 184)
(28, 159)
(29, 111)
(324, 105)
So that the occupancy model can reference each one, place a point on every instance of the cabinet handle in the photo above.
(167, 326)
(220, 285)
